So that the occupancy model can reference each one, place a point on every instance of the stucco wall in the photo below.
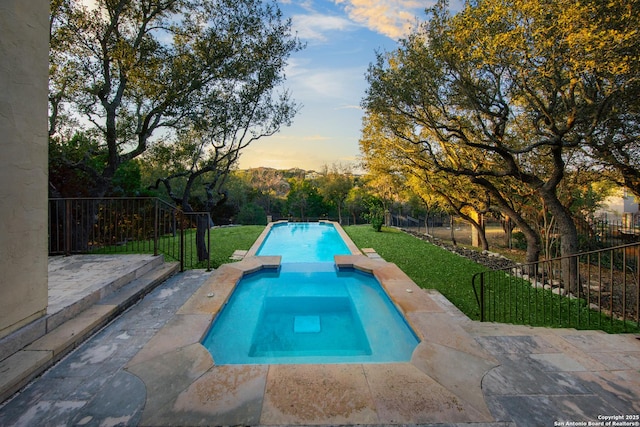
(24, 48)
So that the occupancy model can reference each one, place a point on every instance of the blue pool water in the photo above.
(308, 311)
(304, 242)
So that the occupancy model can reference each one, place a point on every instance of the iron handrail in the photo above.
(125, 224)
(606, 284)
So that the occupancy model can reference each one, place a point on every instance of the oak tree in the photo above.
(507, 90)
(125, 70)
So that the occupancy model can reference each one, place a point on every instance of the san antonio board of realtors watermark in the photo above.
(631, 420)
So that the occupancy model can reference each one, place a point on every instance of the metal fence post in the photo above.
(156, 225)
(67, 227)
(482, 297)
(209, 243)
(181, 223)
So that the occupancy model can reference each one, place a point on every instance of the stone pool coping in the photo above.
(441, 383)
(256, 245)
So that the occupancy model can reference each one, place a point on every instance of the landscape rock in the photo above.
(486, 258)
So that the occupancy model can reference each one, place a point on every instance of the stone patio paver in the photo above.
(230, 395)
(168, 375)
(405, 395)
(318, 394)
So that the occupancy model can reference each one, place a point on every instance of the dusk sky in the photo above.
(328, 78)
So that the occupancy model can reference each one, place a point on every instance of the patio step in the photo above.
(79, 323)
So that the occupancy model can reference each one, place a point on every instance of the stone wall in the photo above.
(23, 161)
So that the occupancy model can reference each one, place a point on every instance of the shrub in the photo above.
(252, 214)
(375, 216)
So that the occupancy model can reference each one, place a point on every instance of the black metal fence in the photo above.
(129, 225)
(603, 233)
(591, 290)
(594, 234)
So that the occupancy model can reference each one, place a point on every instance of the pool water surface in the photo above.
(309, 311)
(304, 242)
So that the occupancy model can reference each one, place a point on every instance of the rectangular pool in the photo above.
(304, 242)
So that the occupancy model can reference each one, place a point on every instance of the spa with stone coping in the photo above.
(441, 383)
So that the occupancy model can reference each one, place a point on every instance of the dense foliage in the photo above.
(124, 74)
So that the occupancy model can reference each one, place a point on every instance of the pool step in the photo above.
(238, 255)
(45, 349)
(371, 253)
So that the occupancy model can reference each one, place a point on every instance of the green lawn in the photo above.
(225, 240)
(430, 266)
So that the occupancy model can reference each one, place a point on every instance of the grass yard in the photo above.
(430, 266)
(225, 240)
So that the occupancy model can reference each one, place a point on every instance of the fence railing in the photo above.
(591, 290)
(129, 225)
(592, 235)
(604, 233)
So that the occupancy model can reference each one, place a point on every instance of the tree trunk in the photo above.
(533, 240)
(476, 222)
(568, 241)
(202, 225)
(507, 226)
(453, 236)
(482, 235)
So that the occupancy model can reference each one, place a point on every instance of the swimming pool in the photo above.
(308, 311)
(304, 242)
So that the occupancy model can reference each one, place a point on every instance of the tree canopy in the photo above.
(124, 70)
(510, 94)
(508, 97)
